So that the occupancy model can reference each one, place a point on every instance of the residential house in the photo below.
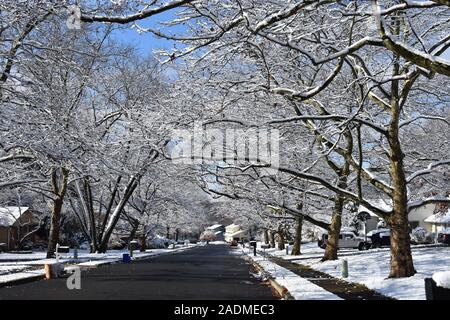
(374, 221)
(234, 232)
(15, 224)
(432, 217)
(440, 218)
(219, 231)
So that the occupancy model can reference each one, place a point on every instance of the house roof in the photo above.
(216, 226)
(9, 215)
(234, 234)
(232, 228)
(385, 205)
(441, 217)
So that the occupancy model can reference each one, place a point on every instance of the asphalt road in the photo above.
(202, 273)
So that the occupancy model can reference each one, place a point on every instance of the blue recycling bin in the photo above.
(126, 258)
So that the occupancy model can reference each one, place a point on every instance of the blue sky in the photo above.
(146, 42)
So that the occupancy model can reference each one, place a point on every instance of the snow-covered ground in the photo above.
(299, 288)
(5, 269)
(308, 250)
(4, 279)
(371, 268)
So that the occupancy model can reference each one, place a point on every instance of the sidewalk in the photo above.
(298, 287)
(305, 283)
(339, 287)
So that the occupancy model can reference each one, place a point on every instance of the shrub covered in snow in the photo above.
(208, 235)
(420, 235)
(159, 242)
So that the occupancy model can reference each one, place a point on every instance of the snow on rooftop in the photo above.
(235, 234)
(442, 279)
(441, 217)
(385, 205)
(214, 227)
(9, 215)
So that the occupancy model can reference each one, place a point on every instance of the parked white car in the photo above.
(347, 240)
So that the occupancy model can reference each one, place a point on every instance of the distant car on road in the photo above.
(347, 240)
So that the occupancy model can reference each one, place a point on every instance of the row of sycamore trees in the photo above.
(83, 126)
(346, 83)
(358, 75)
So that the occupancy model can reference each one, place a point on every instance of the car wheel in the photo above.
(362, 246)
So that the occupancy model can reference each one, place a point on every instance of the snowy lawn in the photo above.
(372, 269)
(38, 258)
(5, 269)
(299, 288)
(308, 250)
(29, 274)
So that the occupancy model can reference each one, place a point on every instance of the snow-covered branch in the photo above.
(137, 16)
(429, 169)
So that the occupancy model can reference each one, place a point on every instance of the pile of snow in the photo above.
(442, 279)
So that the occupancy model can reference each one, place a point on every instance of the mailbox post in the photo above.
(253, 244)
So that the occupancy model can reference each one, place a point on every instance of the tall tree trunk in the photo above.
(280, 235)
(53, 237)
(59, 190)
(91, 214)
(298, 236)
(401, 257)
(132, 184)
(143, 240)
(266, 236)
(334, 231)
(272, 239)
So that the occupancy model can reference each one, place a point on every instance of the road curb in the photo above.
(280, 289)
